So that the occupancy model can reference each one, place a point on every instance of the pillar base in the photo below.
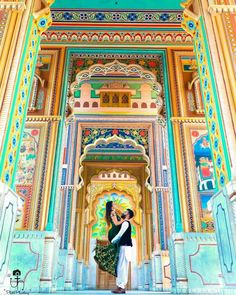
(195, 266)
(10, 204)
(224, 211)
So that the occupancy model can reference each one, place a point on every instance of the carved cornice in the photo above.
(66, 36)
(223, 8)
(42, 118)
(187, 120)
(18, 6)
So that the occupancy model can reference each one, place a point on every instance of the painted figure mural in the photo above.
(205, 175)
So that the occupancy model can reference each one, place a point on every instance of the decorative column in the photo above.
(49, 263)
(70, 268)
(177, 226)
(10, 203)
(157, 272)
(26, 31)
(204, 21)
(61, 136)
(178, 267)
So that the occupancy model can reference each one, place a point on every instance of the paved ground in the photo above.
(100, 292)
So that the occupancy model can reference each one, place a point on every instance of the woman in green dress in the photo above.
(107, 256)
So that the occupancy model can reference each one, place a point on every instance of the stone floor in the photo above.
(100, 292)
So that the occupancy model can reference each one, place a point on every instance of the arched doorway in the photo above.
(123, 188)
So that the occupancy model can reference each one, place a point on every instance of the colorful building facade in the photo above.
(129, 102)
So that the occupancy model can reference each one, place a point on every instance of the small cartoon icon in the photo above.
(16, 281)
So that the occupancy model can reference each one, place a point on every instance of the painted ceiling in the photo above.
(119, 4)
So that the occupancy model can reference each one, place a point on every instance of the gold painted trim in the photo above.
(188, 120)
(15, 6)
(218, 9)
(43, 118)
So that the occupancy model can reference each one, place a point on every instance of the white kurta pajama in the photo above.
(125, 256)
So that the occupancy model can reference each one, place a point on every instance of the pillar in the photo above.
(178, 267)
(209, 23)
(49, 263)
(23, 31)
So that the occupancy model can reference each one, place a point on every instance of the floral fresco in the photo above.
(90, 135)
(25, 193)
(205, 175)
(152, 65)
(28, 156)
(100, 229)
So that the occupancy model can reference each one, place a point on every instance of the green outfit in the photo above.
(107, 256)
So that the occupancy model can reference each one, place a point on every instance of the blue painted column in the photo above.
(173, 166)
(59, 145)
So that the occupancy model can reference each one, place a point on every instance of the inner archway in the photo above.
(123, 188)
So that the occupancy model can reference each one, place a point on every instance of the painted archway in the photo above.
(113, 69)
(120, 140)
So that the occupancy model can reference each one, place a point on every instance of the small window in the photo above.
(115, 99)
(125, 99)
(105, 98)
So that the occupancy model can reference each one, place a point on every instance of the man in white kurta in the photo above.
(123, 238)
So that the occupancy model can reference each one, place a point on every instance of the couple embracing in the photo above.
(115, 257)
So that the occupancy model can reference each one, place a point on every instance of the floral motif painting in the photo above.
(152, 65)
(25, 193)
(90, 135)
(28, 156)
(204, 174)
(100, 228)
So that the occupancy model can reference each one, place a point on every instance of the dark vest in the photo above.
(126, 240)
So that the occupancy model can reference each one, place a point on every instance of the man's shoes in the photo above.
(118, 291)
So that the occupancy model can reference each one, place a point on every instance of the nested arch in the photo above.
(116, 139)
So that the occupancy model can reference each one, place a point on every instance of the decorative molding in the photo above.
(131, 70)
(162, 188)
(15, 6)
(43, 118)
(147, 37)
(69, 186)
(116, 16)
(195, 26)
(188, 120)
(218, 9)
(121, 140)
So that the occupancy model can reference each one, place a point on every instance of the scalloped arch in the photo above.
(118, 139)
(117, 68)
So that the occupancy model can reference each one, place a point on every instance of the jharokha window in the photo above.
(115, 99)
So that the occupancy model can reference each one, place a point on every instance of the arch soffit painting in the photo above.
(118, 139)
(117, 68)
